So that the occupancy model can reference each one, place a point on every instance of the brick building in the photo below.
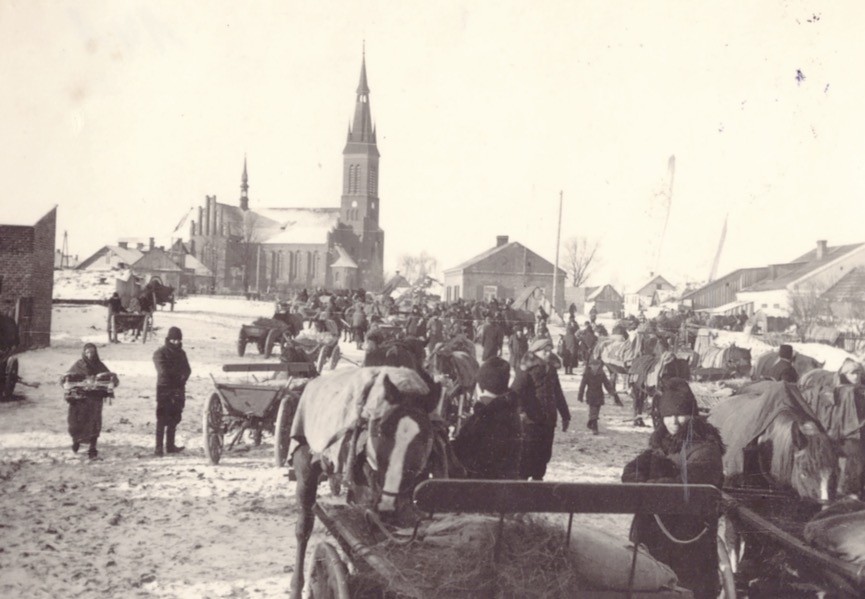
(281, 249)
(503, 272)
(27, 277)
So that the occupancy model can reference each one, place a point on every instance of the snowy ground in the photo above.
(134, 525)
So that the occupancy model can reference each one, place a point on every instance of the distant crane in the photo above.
(667, 194)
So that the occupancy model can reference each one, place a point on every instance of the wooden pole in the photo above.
(558, 243)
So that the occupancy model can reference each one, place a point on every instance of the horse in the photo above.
(453, 363)
(840, 406)
(617, 353)
(405, 352)
(716, 363)
(775, 440)
(765, 362)
(646, 376)
(371, 430)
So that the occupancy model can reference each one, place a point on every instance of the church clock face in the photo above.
(354, 203)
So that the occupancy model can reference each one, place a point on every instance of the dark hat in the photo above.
(493, 375)
(677, 399)
(174, 333)
(540, 343)
(785, 352)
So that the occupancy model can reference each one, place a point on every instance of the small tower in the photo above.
(244, 188)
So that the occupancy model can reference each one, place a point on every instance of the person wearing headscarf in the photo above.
(684, 449)
(783, 369)
(172, 372)
(85, 399)
(488, 443)
(592, 387)
(539, 393)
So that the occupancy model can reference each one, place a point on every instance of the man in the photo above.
(595, 381)
(518, 344)
(783, 370)
(488, 444)
(358, 323)
(685, 449)
(540, 396)
(491, 338)
(172, 372)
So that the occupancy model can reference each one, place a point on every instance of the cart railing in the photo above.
(291, 368)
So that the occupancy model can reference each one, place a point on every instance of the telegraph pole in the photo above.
(556, 268)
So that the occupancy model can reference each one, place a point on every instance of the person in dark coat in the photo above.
(518, 345)
(588, 339)
(435, 331)
(592, 389)
(684, 449)
(488, 444)
(570, 348)
(359, 324)
(172, 372)
(85, 400)
(539, 392)
(491, 338)
(115, 305)
(783, 370)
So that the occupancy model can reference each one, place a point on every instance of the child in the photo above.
(595, 380)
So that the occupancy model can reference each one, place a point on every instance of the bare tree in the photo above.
(417, 268)
(580, 257)
(806, 306)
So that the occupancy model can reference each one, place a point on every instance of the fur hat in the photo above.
(493, 375)
(785, 352)
(540, 343)
(677, 399)
(174, 333)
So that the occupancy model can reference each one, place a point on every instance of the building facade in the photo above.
(282, 249)
(27, 277)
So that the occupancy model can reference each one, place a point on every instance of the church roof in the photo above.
(302, 225)
(344, 260)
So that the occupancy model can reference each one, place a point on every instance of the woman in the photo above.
(570, 348)
(85, 398)
(684, 449)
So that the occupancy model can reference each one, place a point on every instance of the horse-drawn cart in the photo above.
(233, 409)
(132, 325)
(487, 523)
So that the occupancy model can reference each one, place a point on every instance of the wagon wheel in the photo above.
(329, 576)
(321, 359)
(282, 430)
(725, 571)
(146, 327)
(212, 428)
(334, 357)
(11, 378)
(112, 329)
(241, 343)
(272, 336)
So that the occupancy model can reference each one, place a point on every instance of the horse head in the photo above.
(398, 447)
(800, 455)
(739, 360)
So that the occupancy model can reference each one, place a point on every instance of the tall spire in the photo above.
(362, 129)
(244, 187)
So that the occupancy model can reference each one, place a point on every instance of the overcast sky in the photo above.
(126, 114)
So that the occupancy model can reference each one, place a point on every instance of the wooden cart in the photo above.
(131, 325)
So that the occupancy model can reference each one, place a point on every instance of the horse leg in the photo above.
(307, 484)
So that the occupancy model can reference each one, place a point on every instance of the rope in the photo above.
(670, 536)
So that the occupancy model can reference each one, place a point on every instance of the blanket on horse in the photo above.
(617, 351)
(743, 417)
(834, 404)
(333, 405)
(714, 357)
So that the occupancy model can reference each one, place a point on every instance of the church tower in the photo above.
(244, 188)
(359, 209)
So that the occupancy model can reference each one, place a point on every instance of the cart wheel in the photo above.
(725, 571)
(112, 329)
(11, 379)
(146, 327)
(320, 360)
(241, 344)
(282, 431)
(334, 357)
(272, 335)
(212, 427)
(329, 576)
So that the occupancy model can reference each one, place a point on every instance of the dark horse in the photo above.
(764, 363)
(371, 430)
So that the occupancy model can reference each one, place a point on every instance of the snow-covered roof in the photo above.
(344, 260)
(302, 225)
(197, 267)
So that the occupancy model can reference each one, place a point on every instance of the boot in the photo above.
(160, 434)
(170, 447)
(91, 452)
(75, 446)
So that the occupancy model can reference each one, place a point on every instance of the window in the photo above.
(490, 291)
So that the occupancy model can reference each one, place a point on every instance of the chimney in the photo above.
(151, 243)
(501, 240)
(821, 249)
(139, 246)
(123, 244)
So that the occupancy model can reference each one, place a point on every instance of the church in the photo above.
(282, 249)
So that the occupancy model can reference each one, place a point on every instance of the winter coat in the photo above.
(84, 417)
(172, 366)
(518, 346)
(488, 444)
(783, 371)
(539, 392)
(358, 317)
(694, 455)
(491, 338)
(592, 386)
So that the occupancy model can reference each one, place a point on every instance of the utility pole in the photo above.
(558, 238)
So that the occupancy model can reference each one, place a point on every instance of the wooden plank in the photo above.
(521, 496)
(295, 368)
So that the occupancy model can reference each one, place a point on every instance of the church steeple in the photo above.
(244, 188)
(362, 128)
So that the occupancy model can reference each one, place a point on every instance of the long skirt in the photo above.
(85, 419)
(169, 405)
